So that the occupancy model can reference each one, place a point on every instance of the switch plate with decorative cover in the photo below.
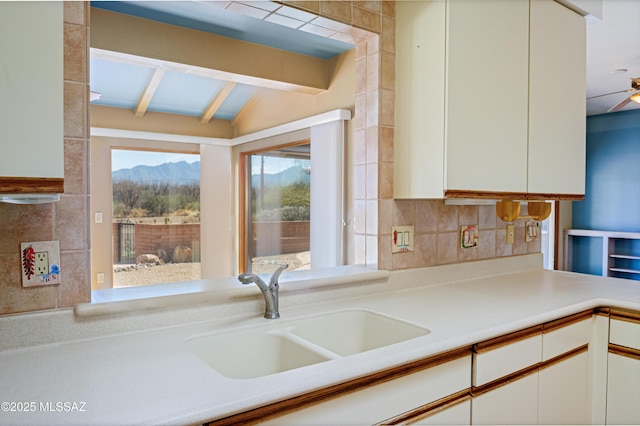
(40, 263)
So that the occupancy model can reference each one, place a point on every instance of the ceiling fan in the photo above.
(635, 97)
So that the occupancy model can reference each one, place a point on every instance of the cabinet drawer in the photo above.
(491, 362)
(385, 400)
(625, 333)
(561, 340)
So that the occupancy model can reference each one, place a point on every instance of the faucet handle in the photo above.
(273, 281)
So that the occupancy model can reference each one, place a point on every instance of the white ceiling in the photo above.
(613, 43)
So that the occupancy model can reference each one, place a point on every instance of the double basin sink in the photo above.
(288, 345)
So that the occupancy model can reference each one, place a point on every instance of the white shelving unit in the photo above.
(612, 254)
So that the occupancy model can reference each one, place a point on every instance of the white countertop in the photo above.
(151, 377)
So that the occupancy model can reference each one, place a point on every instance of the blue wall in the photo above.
(612, 199)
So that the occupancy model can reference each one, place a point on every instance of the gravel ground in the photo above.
(167, 273)
(180, 272)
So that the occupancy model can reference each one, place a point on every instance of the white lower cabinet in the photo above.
(513, 403)
(384, 401)
(623, 378)
(536, 376)
(563, 396)
(456, 414)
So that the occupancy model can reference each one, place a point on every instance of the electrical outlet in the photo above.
(42, 263)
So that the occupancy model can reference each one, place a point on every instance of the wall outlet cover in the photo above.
(401, 239)
(40, 263)
(469, 236)
(531, 229)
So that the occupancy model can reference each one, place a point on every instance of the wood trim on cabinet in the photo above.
(625, 315)
(602, 311)
(497, 195)
(341, 389)
(534, 368)
(507, 339)
(25, 185)
(566, 321)
(505, 380)
(428, 410)
(563, 357)
(624, 351)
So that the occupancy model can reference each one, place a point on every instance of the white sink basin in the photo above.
(288, 345)
(351, 332)
(250, 354)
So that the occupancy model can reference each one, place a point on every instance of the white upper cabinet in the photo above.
(31, 88)
(557, 100)
(490, 98)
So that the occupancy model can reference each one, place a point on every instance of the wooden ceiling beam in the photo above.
(149, 91)
(252, 102)
(217, 102)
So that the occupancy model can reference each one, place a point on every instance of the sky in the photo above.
(128, 159)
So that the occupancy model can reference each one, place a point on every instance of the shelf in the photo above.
(619, 250)
(628, 271)
(624, 256)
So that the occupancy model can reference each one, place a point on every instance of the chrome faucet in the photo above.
(270, 291)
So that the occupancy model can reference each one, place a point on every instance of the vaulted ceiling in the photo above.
(207, 85)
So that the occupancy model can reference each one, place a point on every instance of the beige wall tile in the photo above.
(487, 244)
(75, 166)
(385, 259)
(336, 9)
(426, 216)
(385, 181)
(373, 102)
(74, 12)
(75, 125)
(385, 218)
(360, 182)
(13, 297)
(75, 60)
(372, 139)
(388, 37)
(388, 71)
(466, 254)
(72, 222)
(502, 248)
(447, 218)
(447, 247)
(403, 260)
(374, 6)
(404, 212)
(385, 146)
(373, 71)
(372, 182)
(468, 215)
(76, 283)
(389, 8)
(366, 19)
(488, 217)
(425, 250)
(361, 75)
(20, 224)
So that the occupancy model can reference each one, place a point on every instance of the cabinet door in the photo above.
(31, 89)
(623, 390)
(513, 403)
(487, 95)
(458, 414)
(563, 392)
(557, 100)
(419, 111)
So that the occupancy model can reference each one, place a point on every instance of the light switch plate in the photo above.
(401, 239)
(510, 233)
(40, 263)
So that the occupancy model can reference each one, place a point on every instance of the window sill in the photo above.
(220, 290)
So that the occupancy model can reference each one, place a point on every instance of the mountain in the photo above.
(293, 174)
(180, 172)
(183, 172)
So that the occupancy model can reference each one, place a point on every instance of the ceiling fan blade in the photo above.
(619, 105)
(612, 93)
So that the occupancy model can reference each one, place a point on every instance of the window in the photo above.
(277, 208)
(156, 217)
